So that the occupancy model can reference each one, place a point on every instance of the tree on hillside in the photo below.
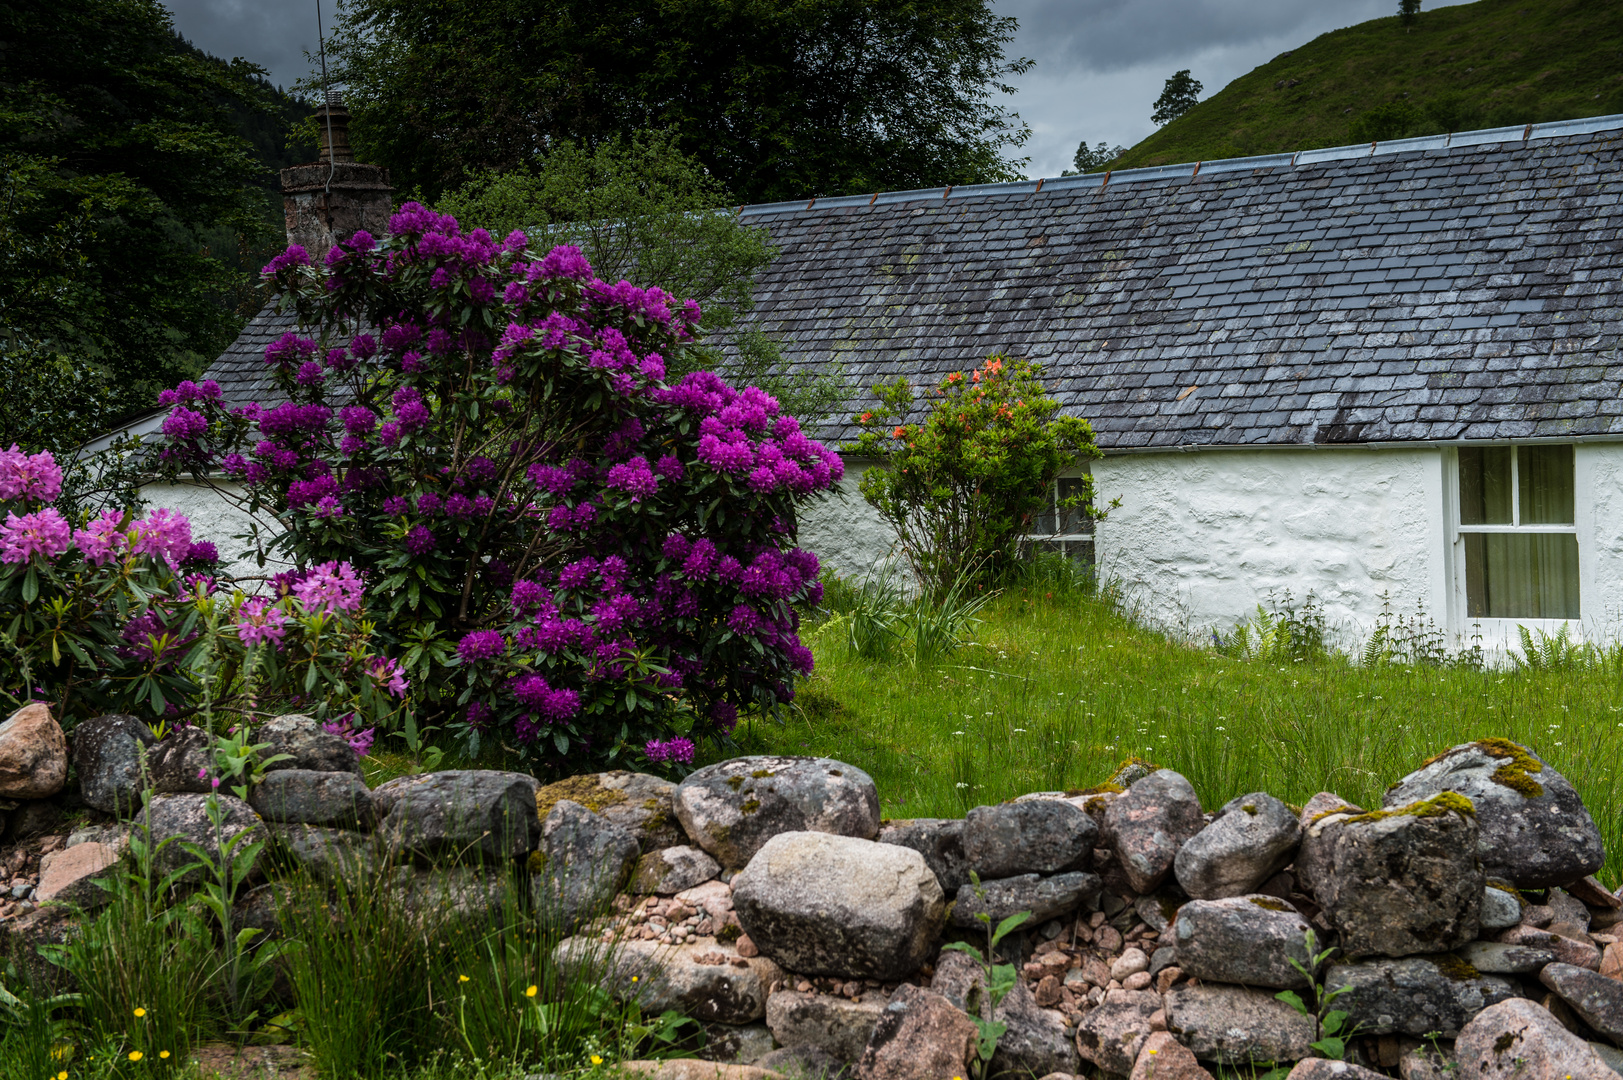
(120, 156)
(777, 100)
(1180, 94)
(1089, 158)
(641, 210)
(1408, 11)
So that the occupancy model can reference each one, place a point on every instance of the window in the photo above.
(1067, 531)
(1519, 531)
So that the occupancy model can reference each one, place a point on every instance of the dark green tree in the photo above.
(1408, 11)
(1181, 93)
(119, 156)
(1089, 158)
(777, 100)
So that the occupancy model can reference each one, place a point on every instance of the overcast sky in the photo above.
(1100, 63)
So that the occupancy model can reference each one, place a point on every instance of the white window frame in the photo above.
(1031, 541)
(1497, 633)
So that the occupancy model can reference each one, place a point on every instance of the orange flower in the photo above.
(897, 434)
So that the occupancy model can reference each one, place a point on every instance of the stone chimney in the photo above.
(334, 196)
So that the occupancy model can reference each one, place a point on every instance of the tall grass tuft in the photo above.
(145, 966)
(398, 967)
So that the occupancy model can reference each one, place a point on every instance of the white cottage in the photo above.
(1382, 371)
(1388, 370)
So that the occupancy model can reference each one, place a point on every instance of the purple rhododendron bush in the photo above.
(568, 553)
(119, 613)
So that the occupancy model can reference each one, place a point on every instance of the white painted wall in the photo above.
(847, 534)
(1598, 471)
(216, 519)
(1201, 538)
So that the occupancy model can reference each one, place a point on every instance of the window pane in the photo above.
(1044, 525)
(1545, 479)
(1485, 485)
(1075, 521)
(1521, 575)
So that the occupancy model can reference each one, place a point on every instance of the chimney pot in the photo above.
(332, 126)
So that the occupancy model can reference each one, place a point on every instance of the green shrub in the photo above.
(963, 486)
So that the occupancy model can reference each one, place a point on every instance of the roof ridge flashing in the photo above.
(1194, 170)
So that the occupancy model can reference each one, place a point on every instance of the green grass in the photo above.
(1488, 64)
(1056, 692)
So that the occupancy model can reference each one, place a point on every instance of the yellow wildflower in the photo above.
(139, 1012)
(596, 1060)
(529, 991)
(135, 1055)
(163, 1055)
(461, 978)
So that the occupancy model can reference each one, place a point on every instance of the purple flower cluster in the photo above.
(536, 696)
(289, 351)
(677, 751)
(189, 392)
(359, 741)
(294, 256)
(481, 645)
(419, 540)
(634, 477)
(185, 424)
(163, 534)
(389, 675)
(261, 622)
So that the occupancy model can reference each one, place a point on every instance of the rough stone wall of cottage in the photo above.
(217, 520)
(1598, 469)
(1202, 538)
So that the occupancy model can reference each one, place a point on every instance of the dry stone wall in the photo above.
(765, 898)
(1463, 913)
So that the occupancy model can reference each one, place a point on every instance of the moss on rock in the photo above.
(587, 790)
(1443, 802)
(1518, 764)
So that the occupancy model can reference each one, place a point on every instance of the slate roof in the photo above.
(1455, 288)
(1464, 287)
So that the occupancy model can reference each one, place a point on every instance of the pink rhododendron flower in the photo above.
(35, 477)
(330, 587)
(389, 675)
(44, 532)
(101, 538)
(163, 534)
(261, 622)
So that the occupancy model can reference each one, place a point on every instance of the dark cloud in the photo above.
(1107, 35)
(272, 33)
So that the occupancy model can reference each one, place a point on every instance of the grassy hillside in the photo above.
(1488, 64)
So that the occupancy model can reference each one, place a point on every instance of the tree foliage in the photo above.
(643, 211)
(1089, 159)
(1180, 94)
(777, 100)
(961, 488)
(119, 155)
(1408, 11)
